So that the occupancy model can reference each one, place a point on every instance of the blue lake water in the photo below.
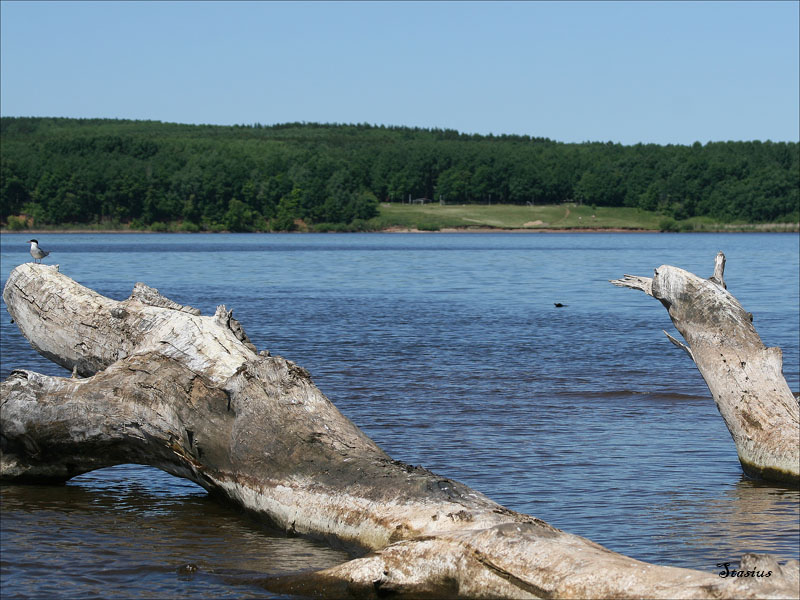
(448, 351)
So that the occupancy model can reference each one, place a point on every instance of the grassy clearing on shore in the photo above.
(512, 216)
(558, 216)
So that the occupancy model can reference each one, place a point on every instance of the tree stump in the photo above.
(745, 377)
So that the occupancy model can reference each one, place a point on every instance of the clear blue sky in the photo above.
(660, 72)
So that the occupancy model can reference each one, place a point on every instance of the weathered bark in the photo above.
(189, 394)
(745, 378)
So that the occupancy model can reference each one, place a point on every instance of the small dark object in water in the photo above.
(558, 304)
(187, 569)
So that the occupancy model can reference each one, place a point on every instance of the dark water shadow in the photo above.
(130, 531)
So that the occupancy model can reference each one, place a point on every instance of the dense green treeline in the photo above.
(260, 178)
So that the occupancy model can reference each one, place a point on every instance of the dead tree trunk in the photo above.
(167, 387)
(745, 378)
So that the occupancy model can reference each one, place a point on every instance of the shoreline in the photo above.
(390, 230)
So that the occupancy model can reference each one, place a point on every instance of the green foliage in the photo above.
(17, 223)
(213, 226)
(288, 211)
(188, 227)
(239, 217)
(668, 224)
(148, 175)
(35, 212)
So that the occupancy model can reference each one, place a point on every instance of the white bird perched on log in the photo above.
(36, 252)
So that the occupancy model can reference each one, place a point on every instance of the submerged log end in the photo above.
(788, 476)
(775, 459)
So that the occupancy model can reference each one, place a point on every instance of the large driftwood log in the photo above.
(167, 387)
(745, 378)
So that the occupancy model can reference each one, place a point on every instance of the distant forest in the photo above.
(149, 174)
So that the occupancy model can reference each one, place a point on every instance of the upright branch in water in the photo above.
(745, 377)
(168, 387)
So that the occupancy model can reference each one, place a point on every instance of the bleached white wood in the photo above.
(745, 377)
(165, 386)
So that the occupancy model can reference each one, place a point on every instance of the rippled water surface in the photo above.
(448, 351)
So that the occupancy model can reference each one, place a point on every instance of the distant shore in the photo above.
(777, 228)
(386, 230)
(568, 217)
